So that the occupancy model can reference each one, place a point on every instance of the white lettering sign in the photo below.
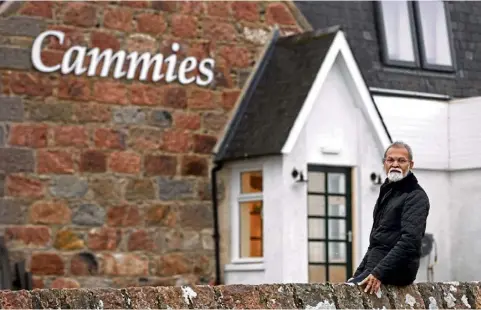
(74, 62)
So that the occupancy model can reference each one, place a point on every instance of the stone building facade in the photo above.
(105, 182)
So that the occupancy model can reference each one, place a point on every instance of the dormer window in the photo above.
(415, 34)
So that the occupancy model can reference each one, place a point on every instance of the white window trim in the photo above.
(236, 198)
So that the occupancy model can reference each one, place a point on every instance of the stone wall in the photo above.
(285, 296)
(105, 182)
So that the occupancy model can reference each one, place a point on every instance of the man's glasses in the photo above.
(400, 161)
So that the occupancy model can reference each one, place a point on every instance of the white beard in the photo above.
(395, 175)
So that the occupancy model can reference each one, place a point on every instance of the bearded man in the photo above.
(400, 216)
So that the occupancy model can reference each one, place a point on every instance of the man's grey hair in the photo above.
(400, 144)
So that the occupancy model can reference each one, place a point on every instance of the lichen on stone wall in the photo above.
(275, 296)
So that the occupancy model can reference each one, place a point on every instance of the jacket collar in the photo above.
(407, 182)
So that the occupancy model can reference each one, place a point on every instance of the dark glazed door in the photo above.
(329, 220)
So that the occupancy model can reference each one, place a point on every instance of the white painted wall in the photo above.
(465, 133)
(437, 186)
(269, 270)
(421, 123)
(465, 228)
(335, 122)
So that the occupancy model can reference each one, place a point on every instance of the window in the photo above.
(248, 217)
(415, 34)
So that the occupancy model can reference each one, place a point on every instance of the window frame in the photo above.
(236, 199)
(415, 19)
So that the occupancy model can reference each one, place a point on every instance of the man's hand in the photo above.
(372, 284)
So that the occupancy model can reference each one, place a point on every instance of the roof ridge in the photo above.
(309, 35)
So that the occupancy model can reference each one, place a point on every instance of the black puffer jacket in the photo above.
(400, 216)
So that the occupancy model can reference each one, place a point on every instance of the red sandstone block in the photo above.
(31, 135)
(31, 84)
(93, 161)
(103, 239)
(47, 264)
(29, 235)
(145, 94)
(110, 92)
(175, 97)
(278, 13)
(50, 212)
(59, 162)
(74, 88)
(22, 186)
(124, 215)
(118, 19)
(183, 120)
(109, 138)
(38, 8)
(217, 8)
(229, 98)
(144, 139)
(204, 144)
(104, 40)
(135, 4)
(124, 162)
(140, 240)
(177, 141)
(125, 264)
(70, 136)
(219, 31)
(192, 7)
(236, 56)
(184, 26)
(64, 283)
(151, 23)
(195, 166)
(80, 14)
(245, 10)
(160, 165)
(202, 99)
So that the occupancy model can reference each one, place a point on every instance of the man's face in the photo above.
(397, 164)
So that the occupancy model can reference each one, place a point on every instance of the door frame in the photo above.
(349, 239)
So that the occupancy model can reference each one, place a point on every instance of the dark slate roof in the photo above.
(276, 94)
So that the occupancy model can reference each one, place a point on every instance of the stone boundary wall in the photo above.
(446, 295)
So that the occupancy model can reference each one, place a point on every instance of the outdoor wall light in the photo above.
(298, 175)
(376, 178)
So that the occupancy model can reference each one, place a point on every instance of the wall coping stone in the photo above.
(427, 295)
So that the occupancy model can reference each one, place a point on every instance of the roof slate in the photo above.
(275, 97)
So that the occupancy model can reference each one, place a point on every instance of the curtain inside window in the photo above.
(435, 32)
(398, 33)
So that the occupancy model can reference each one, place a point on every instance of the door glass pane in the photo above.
(317, 252)
(251, 182)
(316, 182)
(336, 183)
(317, 273)
(251, 233)
(337, 229)
(337, 205)
(337, 274)
(435, 32)
(337, 252)
(317, 228)
(316, 205)
(397, 25)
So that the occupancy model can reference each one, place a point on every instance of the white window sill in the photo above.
(245, 266)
